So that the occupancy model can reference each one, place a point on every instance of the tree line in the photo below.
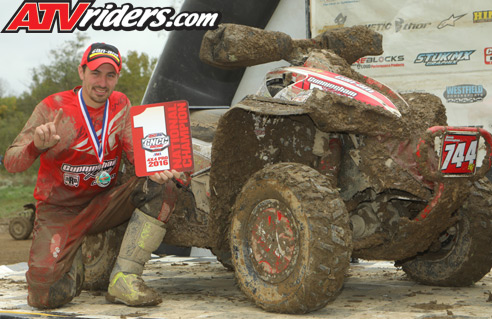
(61, 74)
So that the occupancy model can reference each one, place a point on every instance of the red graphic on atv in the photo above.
(459, 154)
(309, 79)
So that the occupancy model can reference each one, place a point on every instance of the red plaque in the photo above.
(162, 137)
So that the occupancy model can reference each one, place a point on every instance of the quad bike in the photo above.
(324, 164)
(20, 226)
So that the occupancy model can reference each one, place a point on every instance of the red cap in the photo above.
(100, 53)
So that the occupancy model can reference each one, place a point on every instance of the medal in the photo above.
(103, 179)
(98, 147)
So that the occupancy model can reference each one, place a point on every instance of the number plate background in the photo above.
(454, 159)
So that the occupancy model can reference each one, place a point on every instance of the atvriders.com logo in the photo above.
(43, 16)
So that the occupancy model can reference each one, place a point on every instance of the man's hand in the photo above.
(45, 135)
(163, 177)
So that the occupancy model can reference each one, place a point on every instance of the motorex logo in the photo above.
(464, 93)
(443, 58)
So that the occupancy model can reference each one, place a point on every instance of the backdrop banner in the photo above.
(441, 47)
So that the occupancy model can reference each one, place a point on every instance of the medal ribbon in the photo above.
(98, 147)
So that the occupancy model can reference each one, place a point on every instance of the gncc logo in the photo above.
(155, 142)
(43, 16)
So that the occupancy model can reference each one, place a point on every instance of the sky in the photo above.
(21, 52)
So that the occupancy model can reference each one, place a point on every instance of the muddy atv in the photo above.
(324, 164)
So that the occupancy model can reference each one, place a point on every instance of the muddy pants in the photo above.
(59, 232)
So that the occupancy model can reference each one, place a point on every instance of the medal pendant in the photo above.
(103, 179)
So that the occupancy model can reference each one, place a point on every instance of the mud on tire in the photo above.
(290, 239)
(465, 253)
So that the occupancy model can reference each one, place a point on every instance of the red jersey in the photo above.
(67, 174)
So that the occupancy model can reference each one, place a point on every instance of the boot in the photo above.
(143, 235)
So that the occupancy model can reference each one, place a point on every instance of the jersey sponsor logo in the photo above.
(443, 58)
(482, 16)
(88, 171)
(72, 180)
(450, 22)
(42, 16)
(465, 93)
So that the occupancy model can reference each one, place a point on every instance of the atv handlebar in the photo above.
(233, 46)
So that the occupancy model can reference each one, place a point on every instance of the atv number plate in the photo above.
(459, 154)
(162, 137)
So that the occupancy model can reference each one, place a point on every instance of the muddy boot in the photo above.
(143, 235)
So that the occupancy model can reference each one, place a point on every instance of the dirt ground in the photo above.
(202, 288)
(12, 251)
(199, 287)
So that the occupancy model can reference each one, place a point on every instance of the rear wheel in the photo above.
(20, 228)
(463, 254)
(290, 239)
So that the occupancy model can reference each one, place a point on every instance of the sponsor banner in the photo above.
(162, 137)
(482, 16)
(487, 56)
(382, 61)
(466, 93)
(436, 47)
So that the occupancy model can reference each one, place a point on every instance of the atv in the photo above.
(22, 224)
(324, 164)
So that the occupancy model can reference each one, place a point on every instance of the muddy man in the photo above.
(79, 136)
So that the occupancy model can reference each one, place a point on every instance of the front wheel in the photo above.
(99, 253)
(464, 252)
(290, 239)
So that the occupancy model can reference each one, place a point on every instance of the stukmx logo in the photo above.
(155, 142)
(43, 15)
(443, 58)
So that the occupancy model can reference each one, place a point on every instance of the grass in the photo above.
(13, 199)
(16, 190)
